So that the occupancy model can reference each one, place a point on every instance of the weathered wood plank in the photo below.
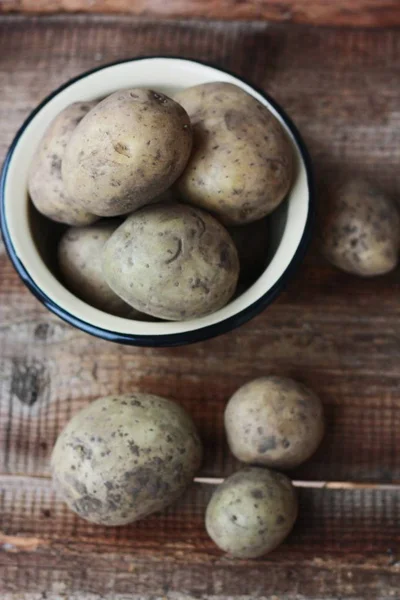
(34, 517)
(173, 552)
(70, 575)
(358, 13)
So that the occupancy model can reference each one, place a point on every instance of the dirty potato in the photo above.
(241, 166)
(274, 421)
(124, 457)
(172, 261)
(80, 262)
(360, 229)
(45, 184)
(251, 512)
(131, 147)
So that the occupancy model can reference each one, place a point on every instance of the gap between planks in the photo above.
(328, 485)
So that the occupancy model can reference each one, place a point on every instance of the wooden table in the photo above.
(340, 335)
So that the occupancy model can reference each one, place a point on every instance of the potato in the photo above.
(360, 231)
(80, 262)
(45, 184)
(124, 457)
(274, 421)
(172, 261)
(131, 147)
(241, 167)
(251, 242)
(251, 512)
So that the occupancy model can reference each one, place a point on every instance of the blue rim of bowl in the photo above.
(173, 339)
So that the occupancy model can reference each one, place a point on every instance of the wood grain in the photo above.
(340, 335)
(358, 13)
(174, 553)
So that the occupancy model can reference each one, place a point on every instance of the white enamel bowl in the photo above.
(30, 241)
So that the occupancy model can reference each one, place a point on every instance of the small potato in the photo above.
(45, 184)
(274, 421)
(130, 148)
(80, 262)
(251, 242)
(172, 261)
(251, 512)
(360, 229)
(124, 457)
(241, 166)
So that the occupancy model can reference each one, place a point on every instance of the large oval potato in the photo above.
(124, 457)
(274, 421)
(251, 512)
(172, 261)
(131, 147)
(241, 166)
(80, 261)
(360, 230)
(45, 184)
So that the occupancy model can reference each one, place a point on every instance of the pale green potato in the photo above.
(124, 457)
(80, 261)
(130, 148)
(360, 229)
(241, 166)
(172, 261)
(274, 421)
(45, 184)
(251, 512)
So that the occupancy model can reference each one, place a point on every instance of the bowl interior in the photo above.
(34, 238)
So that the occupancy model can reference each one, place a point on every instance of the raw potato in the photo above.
(241, 166)
(251, 242)
(124, 457)
(45, 184)
(274, 421)
(80, 261)
(172, 261)
(361, 229)
(252, 512)
(130, 148)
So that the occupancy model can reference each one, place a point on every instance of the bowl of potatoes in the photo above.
(156, 201)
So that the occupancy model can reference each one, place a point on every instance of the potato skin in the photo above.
(172, 261)
(130, 148)
(124, 457)
(45, 184)
(241, 166)
(80, 262)
(360, 230)
(251, 512)
(274, 421)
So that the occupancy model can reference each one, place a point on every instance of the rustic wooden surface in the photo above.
(355, 13)
(338, 334)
